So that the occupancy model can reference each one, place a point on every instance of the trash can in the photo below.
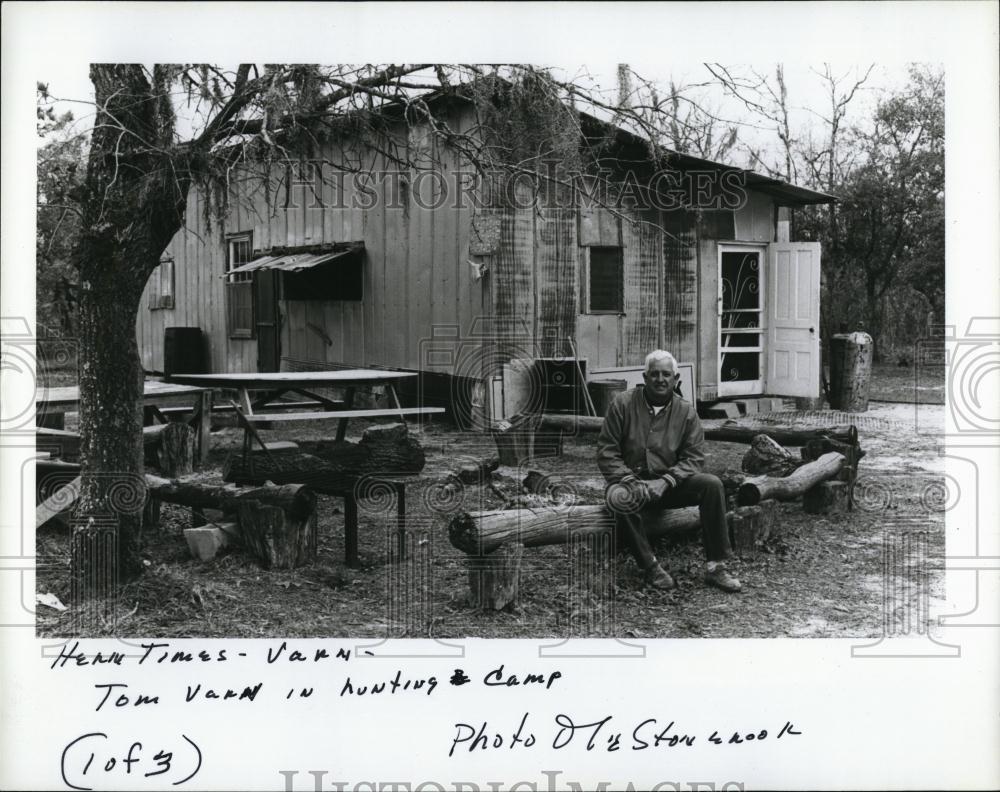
(603, 392)
(183, 351)
(850, 371)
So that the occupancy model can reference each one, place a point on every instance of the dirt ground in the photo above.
(837, 576)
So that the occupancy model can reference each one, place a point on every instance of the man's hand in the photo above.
(656, 489)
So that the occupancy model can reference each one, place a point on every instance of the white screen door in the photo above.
(793, 357)
(741, 320)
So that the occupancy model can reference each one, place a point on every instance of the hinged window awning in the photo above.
(294, 262)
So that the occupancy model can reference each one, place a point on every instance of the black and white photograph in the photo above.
(556, 419)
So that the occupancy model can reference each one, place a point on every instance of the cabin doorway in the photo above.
(266, 319)
(741, 320)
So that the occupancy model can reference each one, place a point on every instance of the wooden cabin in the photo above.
(504, 304)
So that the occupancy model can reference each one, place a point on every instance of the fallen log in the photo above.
(570, 424)
(296, 499)
(753, 491)
(480, 533)
(386, 448)
(783, 435)
(290, 468)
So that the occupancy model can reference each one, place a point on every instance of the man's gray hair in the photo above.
(658, 355)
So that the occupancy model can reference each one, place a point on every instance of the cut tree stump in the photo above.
(170, 448)
(206, 542)
(766, 457)
(274, 540)
(753, 491)
(476, 471)
(827, 497)
(751, 526)
(494, 579)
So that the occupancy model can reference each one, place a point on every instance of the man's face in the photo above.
(660, 379)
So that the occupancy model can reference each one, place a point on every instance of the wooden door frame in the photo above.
(750, 387)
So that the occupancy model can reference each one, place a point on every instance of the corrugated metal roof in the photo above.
(295, 262)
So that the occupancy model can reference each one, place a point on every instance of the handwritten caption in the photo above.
(97, 758)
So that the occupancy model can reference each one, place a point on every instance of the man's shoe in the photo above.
(658, 577)
(720, 578)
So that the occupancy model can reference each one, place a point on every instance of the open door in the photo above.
(793, 355)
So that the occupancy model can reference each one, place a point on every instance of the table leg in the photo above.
(395, 400)
(245, 402)
(348, 404)
(350, 529)
(203, 424)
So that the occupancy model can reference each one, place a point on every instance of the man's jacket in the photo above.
(670, 445)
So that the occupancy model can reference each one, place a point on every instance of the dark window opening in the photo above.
(605, 280)
(342, 279)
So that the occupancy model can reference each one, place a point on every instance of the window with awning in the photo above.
(331, 274)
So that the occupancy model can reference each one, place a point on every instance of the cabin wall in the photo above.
(417, 280)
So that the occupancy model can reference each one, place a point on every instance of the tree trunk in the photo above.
(132, 203)
(111, 447)
(826, 467)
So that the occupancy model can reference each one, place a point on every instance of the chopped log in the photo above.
(494, 579)
(480, 533)
(792, 486)
(765, 456)
(276, 541)
(571, 424)
(751, 526)
(783, 435)
(296, 499)
(387, 449)
(206, 542)
(827, 497)
(170, 447)
(290, 467)
(477, 471)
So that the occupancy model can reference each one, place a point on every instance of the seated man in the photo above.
(651, 452)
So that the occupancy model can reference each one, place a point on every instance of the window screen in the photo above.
(605, 280)
(239, 288)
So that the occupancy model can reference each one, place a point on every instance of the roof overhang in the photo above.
(296, 262)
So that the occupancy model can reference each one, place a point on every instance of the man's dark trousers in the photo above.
(702, 490)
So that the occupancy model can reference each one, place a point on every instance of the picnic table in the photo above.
(269, 386)
(156, 395)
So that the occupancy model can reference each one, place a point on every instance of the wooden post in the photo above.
(494, 579)
(827, 497)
